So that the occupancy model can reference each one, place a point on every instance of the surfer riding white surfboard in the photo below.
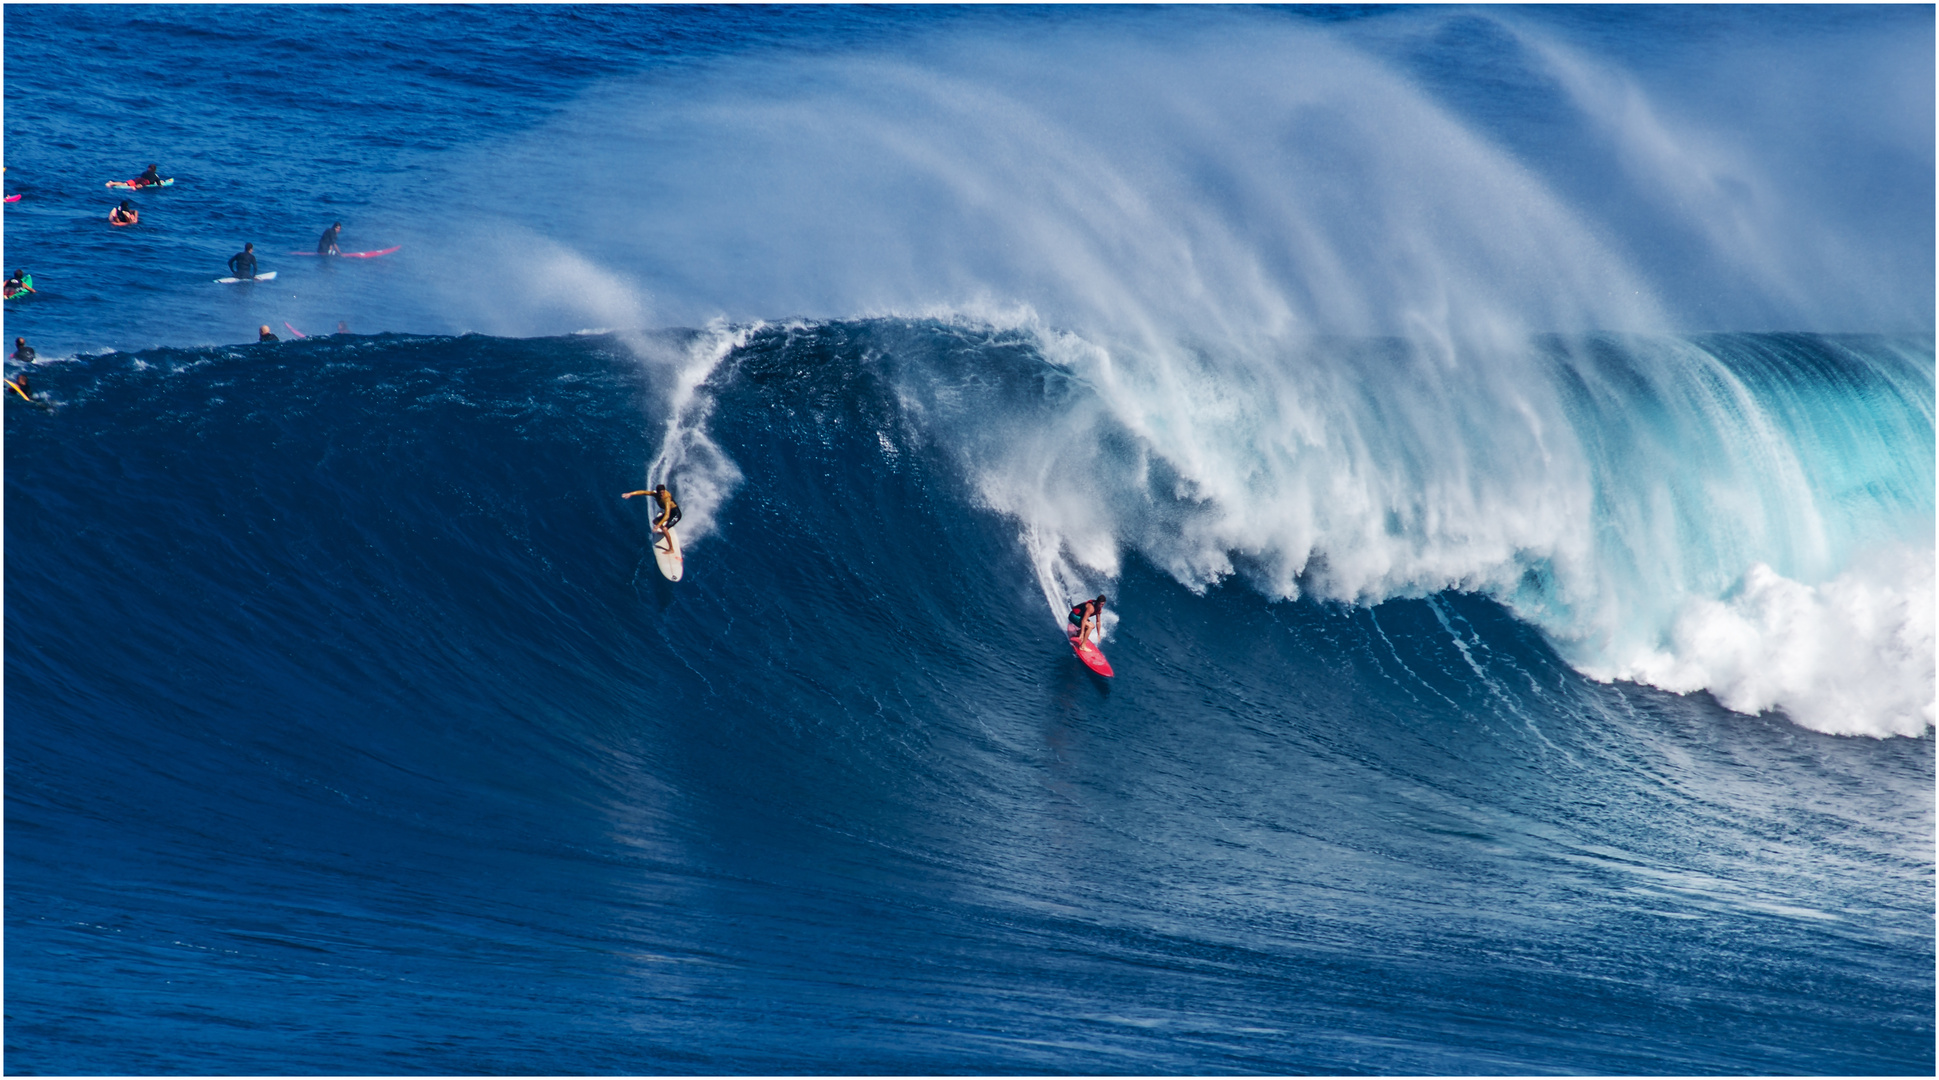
(666, 546)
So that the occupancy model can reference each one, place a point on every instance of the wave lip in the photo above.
(1737, 512)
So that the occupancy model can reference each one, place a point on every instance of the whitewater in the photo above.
(1506, 437)
(1356, 350)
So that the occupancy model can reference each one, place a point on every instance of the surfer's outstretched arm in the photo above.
(630, 494)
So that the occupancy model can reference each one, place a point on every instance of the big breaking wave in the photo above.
(1313, 329)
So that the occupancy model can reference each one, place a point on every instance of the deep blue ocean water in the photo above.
(1506, 437)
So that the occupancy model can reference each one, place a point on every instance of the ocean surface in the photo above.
(1506, 438)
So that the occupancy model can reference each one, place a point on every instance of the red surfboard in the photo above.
(13, 198)
(1087, 651)
(354, 254)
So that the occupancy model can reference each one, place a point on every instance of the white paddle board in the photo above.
(271, 276)
(666, 552)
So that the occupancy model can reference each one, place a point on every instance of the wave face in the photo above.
(344, 698)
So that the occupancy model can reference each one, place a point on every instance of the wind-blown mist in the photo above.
(1320, 325)
(1240, 177)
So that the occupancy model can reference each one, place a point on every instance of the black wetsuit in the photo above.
(267, 337)
(672, 513)
(148, 179)
(25, 354)
(328, 244)
(243, 264)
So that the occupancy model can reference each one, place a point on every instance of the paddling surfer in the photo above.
(669, 510)
(151, 178)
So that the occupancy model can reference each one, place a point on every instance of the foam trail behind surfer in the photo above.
(706, 476)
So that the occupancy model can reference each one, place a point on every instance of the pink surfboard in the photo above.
(353, 254)
(13, 198)
(1087, 651)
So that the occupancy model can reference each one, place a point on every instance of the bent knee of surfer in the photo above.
(1087, 616)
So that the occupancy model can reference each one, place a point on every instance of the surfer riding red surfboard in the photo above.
(1085, 619)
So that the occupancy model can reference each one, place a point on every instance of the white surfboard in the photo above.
(271, 276)
(666, 552)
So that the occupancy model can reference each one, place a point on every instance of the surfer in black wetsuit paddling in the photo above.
(243, 263)
(327, 244)
(1087, 616)
(669, 510)
(151, 178)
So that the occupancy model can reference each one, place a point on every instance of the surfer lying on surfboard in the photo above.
(1085, 618)
(669, 510)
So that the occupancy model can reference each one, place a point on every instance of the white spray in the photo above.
(1299, 302)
